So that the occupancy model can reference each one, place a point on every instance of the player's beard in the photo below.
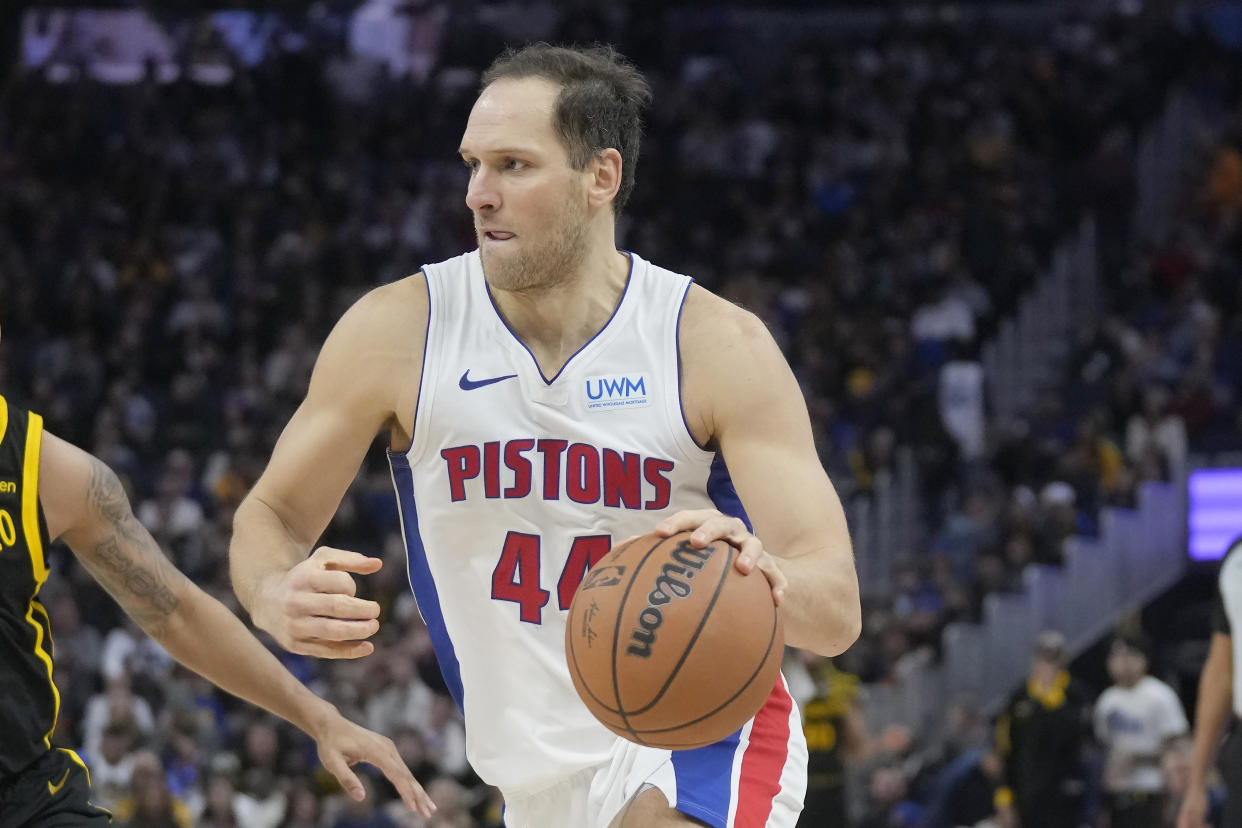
(541, 265)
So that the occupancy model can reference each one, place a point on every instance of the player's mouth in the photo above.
(497, 235)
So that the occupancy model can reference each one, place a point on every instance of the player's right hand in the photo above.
(1194, 808)
(313, 609)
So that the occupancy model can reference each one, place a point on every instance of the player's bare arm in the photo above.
(361, 385)
(741, 397)
(86, 506)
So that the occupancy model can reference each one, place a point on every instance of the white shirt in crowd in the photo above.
(960, 395)
(1137, 721)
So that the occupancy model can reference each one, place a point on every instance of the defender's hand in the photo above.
(342, 743)
(313, 609)
(707, 525)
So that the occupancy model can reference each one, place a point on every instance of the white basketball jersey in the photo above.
(515, 484)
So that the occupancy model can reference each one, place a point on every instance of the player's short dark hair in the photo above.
(600, 105)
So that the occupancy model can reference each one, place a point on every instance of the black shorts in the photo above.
(54, 791)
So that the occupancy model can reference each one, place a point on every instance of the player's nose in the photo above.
(481, 192)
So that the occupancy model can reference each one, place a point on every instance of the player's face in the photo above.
(529, 205)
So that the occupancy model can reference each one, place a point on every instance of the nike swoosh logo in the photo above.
(467, 384)
(55, 789)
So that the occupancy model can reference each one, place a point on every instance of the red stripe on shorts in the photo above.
(764, 760)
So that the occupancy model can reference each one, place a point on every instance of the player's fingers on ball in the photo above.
(338, 767)
(780, 584)
(719, 527)
(684, 521)
(750, 551)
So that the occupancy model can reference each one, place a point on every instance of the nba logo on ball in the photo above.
(669, 645)
(607, 393)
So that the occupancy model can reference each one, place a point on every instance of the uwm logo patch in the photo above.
(617, 391)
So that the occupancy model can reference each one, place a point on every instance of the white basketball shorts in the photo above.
(755, 778)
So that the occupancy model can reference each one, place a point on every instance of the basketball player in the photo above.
(547, 396)
(49, 489)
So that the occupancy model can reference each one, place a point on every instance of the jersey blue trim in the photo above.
(423, 371)
(421, 580)
(681, 400)
(705, 780)
(629, 278)
(720, 490)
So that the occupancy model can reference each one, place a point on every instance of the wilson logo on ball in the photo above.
(673, 582)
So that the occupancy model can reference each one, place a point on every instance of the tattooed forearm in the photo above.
(127, 561)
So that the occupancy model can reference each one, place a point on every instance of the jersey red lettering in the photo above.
(552, 450)
(623, 480)
(519, 465)
(654, 470)
(491, 469)
(582, 473)
(463, 465)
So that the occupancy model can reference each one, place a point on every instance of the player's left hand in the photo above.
(708, 525)
(342, 743)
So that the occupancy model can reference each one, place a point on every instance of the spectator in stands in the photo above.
(888, 804)
(150, 804)
(364, 813)
(117, 704)
(1042, 735)
(836, 736)
(222, 805)
(303, 809)
(965, 791)
(1135, 721)
(1155, 426)
(1176, 766)
(112, 765)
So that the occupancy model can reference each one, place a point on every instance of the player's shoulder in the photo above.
(721, 337)
(394, 300)
(387, 313)
(705, 311)
(380, 336)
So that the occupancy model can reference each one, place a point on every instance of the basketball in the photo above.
(670, 646)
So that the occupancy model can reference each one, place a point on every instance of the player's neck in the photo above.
(557, 321)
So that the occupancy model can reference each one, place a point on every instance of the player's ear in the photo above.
(605, 170)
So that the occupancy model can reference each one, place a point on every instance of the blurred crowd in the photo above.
(1060, 754)
(175, 243)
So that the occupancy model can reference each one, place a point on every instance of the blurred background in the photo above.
(999, 242)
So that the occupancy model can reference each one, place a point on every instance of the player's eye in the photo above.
(514, 164)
